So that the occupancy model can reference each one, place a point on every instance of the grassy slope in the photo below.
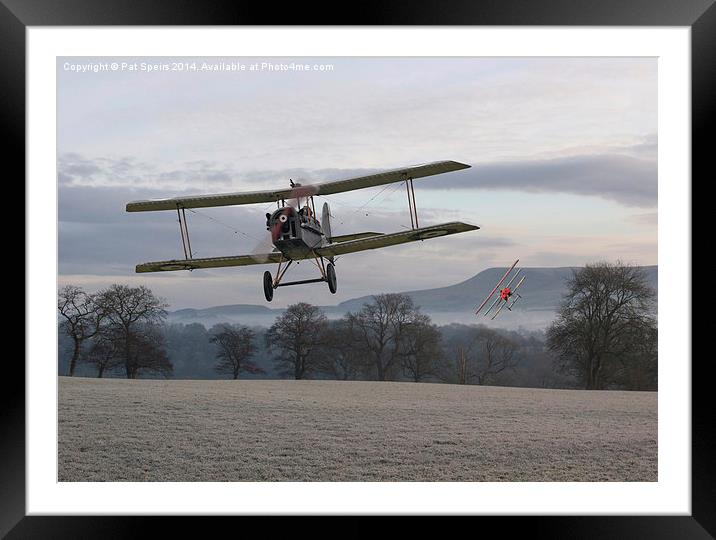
(119, 430)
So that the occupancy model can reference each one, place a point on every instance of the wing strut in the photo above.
(411, 203)
(184, 230)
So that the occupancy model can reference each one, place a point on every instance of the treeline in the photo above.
(120, 331)
(327, 351)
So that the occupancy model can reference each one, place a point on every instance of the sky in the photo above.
(563, 155)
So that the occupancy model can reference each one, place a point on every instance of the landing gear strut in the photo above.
(328, 274)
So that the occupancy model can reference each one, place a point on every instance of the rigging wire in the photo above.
(374, 198)
(234, 230)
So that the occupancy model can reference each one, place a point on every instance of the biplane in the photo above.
(506, 294)
(295, 231)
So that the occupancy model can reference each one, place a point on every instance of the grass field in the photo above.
(146, 430)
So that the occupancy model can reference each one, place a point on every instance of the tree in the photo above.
(191, 351)
(82, 319)
(341, 358)
(298, 337)
(379, 330)
(605, 317)
(421, 343)
(135, 313)
(147, 353)
(638, 368)
(493, 355)
(479, 356)
(235, 345)
(105, 351)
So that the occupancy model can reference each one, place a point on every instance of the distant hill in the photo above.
(543, 291)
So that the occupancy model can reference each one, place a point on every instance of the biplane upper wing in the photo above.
(211, 262)
(325, 188)
(385, 240)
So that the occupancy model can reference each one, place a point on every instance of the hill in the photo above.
(543, 291)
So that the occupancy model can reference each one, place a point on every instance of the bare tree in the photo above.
(105, 352)
(454, 368)
(422, 352)
(479, 357)
(493, 355)
(378, 329)
(637, 369)
(605, 315)
(235, 347)
(82, 319)
(298, 337)
(147, 353)
(341, 359)
(135, 312)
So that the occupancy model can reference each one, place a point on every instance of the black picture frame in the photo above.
(699, 15)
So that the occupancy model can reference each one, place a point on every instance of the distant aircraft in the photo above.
(296, 234)
(505, 293)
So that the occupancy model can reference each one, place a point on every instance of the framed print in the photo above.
(407, 158)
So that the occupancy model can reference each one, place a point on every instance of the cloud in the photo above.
(628, 177)
(627, 180)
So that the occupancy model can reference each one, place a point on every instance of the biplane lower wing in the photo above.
(211, 262)
(385, 240)
(502, 304)
(355, 236)
(360, 243)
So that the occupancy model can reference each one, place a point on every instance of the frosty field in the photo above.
(148, 430)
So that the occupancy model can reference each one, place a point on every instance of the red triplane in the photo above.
(505, 293)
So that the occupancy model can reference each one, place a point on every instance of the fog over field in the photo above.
(279, 430)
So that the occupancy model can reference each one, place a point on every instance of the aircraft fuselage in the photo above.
(294, 233)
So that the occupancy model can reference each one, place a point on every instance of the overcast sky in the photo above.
(563, 154)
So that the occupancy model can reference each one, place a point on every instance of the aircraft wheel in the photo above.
(268, 286)
(331, 275)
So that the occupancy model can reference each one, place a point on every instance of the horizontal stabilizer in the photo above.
(514, 302)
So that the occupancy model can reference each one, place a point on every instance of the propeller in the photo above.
(266, 245)
(261, 250)
(298, 192)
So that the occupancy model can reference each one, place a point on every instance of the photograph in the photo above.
(421, 261)
(357, 269)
